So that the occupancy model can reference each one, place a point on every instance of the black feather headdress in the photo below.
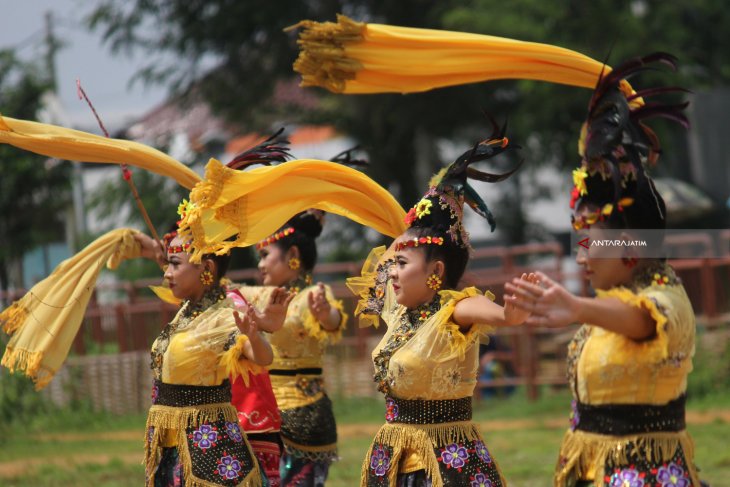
(273, 149)
(347, 159)
(441, 207)
(615, 144)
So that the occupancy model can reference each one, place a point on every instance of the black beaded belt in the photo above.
(292, 372)
(628, 419)
(181, 395)
(417, 411)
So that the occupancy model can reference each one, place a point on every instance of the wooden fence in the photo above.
(110, 356)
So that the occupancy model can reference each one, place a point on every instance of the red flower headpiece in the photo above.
(275, 237)
(418, 241)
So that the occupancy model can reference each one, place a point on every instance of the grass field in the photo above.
(87, 449)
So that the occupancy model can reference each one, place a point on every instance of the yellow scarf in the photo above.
(250, 204)
(45, 321)
(253, 204)
(355, 57)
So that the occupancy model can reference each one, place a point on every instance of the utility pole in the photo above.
(52, 46)
(76, 222)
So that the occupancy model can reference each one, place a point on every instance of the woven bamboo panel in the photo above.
(118, 383)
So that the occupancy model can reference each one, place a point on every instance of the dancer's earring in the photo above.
(434, 282)
(206, 277)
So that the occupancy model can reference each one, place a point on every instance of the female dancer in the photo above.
(314, 320)
(193, 432)
(628, 363)
(426, 364)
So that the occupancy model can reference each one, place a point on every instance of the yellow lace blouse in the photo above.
(203, 351)
(206, 350)
(614, 369)
(439, 361)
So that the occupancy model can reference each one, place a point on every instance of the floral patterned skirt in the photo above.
(170, 471)
(452, 454)
(650, 461)
(639, 471)
(211, 452)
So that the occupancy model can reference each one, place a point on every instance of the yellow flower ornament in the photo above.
(423, 208)
(184, 208)
(579, 180)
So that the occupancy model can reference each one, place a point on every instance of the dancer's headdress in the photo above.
(616, 146)
(308, 223)
(441, 207)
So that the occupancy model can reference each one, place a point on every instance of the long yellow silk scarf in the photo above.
(44, 322)
(250, 204)
(75, 145)
(355, 57)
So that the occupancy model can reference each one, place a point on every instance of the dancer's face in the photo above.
(183, 276)
(409, 275)
(274, 265)
(603, 268)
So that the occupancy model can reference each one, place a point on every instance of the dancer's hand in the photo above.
(548, 303)
(318, 304)
(247, 323)
(151, 249)
(256, 348)
(514, 314)
(321, 308)
(272, 317)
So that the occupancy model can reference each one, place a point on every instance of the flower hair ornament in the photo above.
(615, 144)
(275, 237)
(441, 207)
(174, 249)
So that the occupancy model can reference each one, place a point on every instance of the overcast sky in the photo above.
(104, 77)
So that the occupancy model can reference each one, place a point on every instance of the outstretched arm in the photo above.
(554, 306)
(480, 309)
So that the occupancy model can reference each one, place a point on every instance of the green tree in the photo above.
(254, 55)
(34, 192)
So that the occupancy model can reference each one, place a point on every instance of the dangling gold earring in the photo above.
(206, 277)
(434, 282)
(294, 264)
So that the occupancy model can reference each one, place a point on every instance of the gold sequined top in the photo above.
(299, 344)
(422, 355)
(607, 368)
(611, 368)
